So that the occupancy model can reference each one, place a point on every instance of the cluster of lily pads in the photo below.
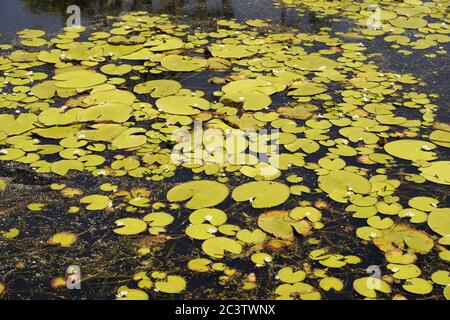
(407, 25)
(109, 104)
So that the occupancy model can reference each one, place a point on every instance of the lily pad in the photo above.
(341, 184)
(130, 226)
(262, 194)
(96, 202)
(418, 286)
(437, 172)
(125, 293)
(439, 221)
(79, 79)
(202, 193)
(281, 225)
(182, 63)
(64, 239)
(182, 105)
(158, 88)
(411, 149)
(217, 247)
(288, 275)
(369, 286)
(173, 284)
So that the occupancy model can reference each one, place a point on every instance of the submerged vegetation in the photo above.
(318, 174)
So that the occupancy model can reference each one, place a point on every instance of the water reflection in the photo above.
(51, 15)
(195, 9)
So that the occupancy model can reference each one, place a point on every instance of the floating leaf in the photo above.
(281, 225)
(64, 239)
(199, 265)
(158, 219)
(96, 202)
(182, 105)
(217, 247)
(201, 231)
(158, 88)
(288, 275)
(418, 286)
(202, 193)
(439, 221)
(251, 237)
(125, 293)
(216, 217)
(401, 236)
(411, 150)
(262, 194)
(182, 63)
(329, 283)
(78, 79)
(130, 226)
(368, 287)
(341, 184)
(437, 172)
(173, 284)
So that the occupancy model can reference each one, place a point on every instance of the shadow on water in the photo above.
(51, 15)
(96, 250)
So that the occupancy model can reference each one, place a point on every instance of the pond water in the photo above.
(356, 186)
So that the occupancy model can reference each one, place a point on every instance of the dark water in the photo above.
(51, 16)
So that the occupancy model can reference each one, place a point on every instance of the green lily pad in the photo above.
(199, 265)
(304, 89)
(404, 271)
(418, 286)
(64, 239)
(423, 203)
(251, 237)
(125, 293)
(182, 105)
(409, 22)
(201, 231)
(253, 101)
(329, 283)
(298, 290)
(437, 172)
(158, 88)
(173, 284)
(261, 258)
(129, 139)
(279, 224)
(182, 63)
(368, 286)
(411, 150)
(116, 70)
(130, 226)
(202, 193)
(78, 79)
(439, 221)
(62, 167)
(262, 194)
(96, 202)
(402, 236)
(158, 219)
(216, 217)
(341, 184)
(441, 277)
(231, 51)
(441, 138)
(288, 275)
(312, 62)
(217, 247)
